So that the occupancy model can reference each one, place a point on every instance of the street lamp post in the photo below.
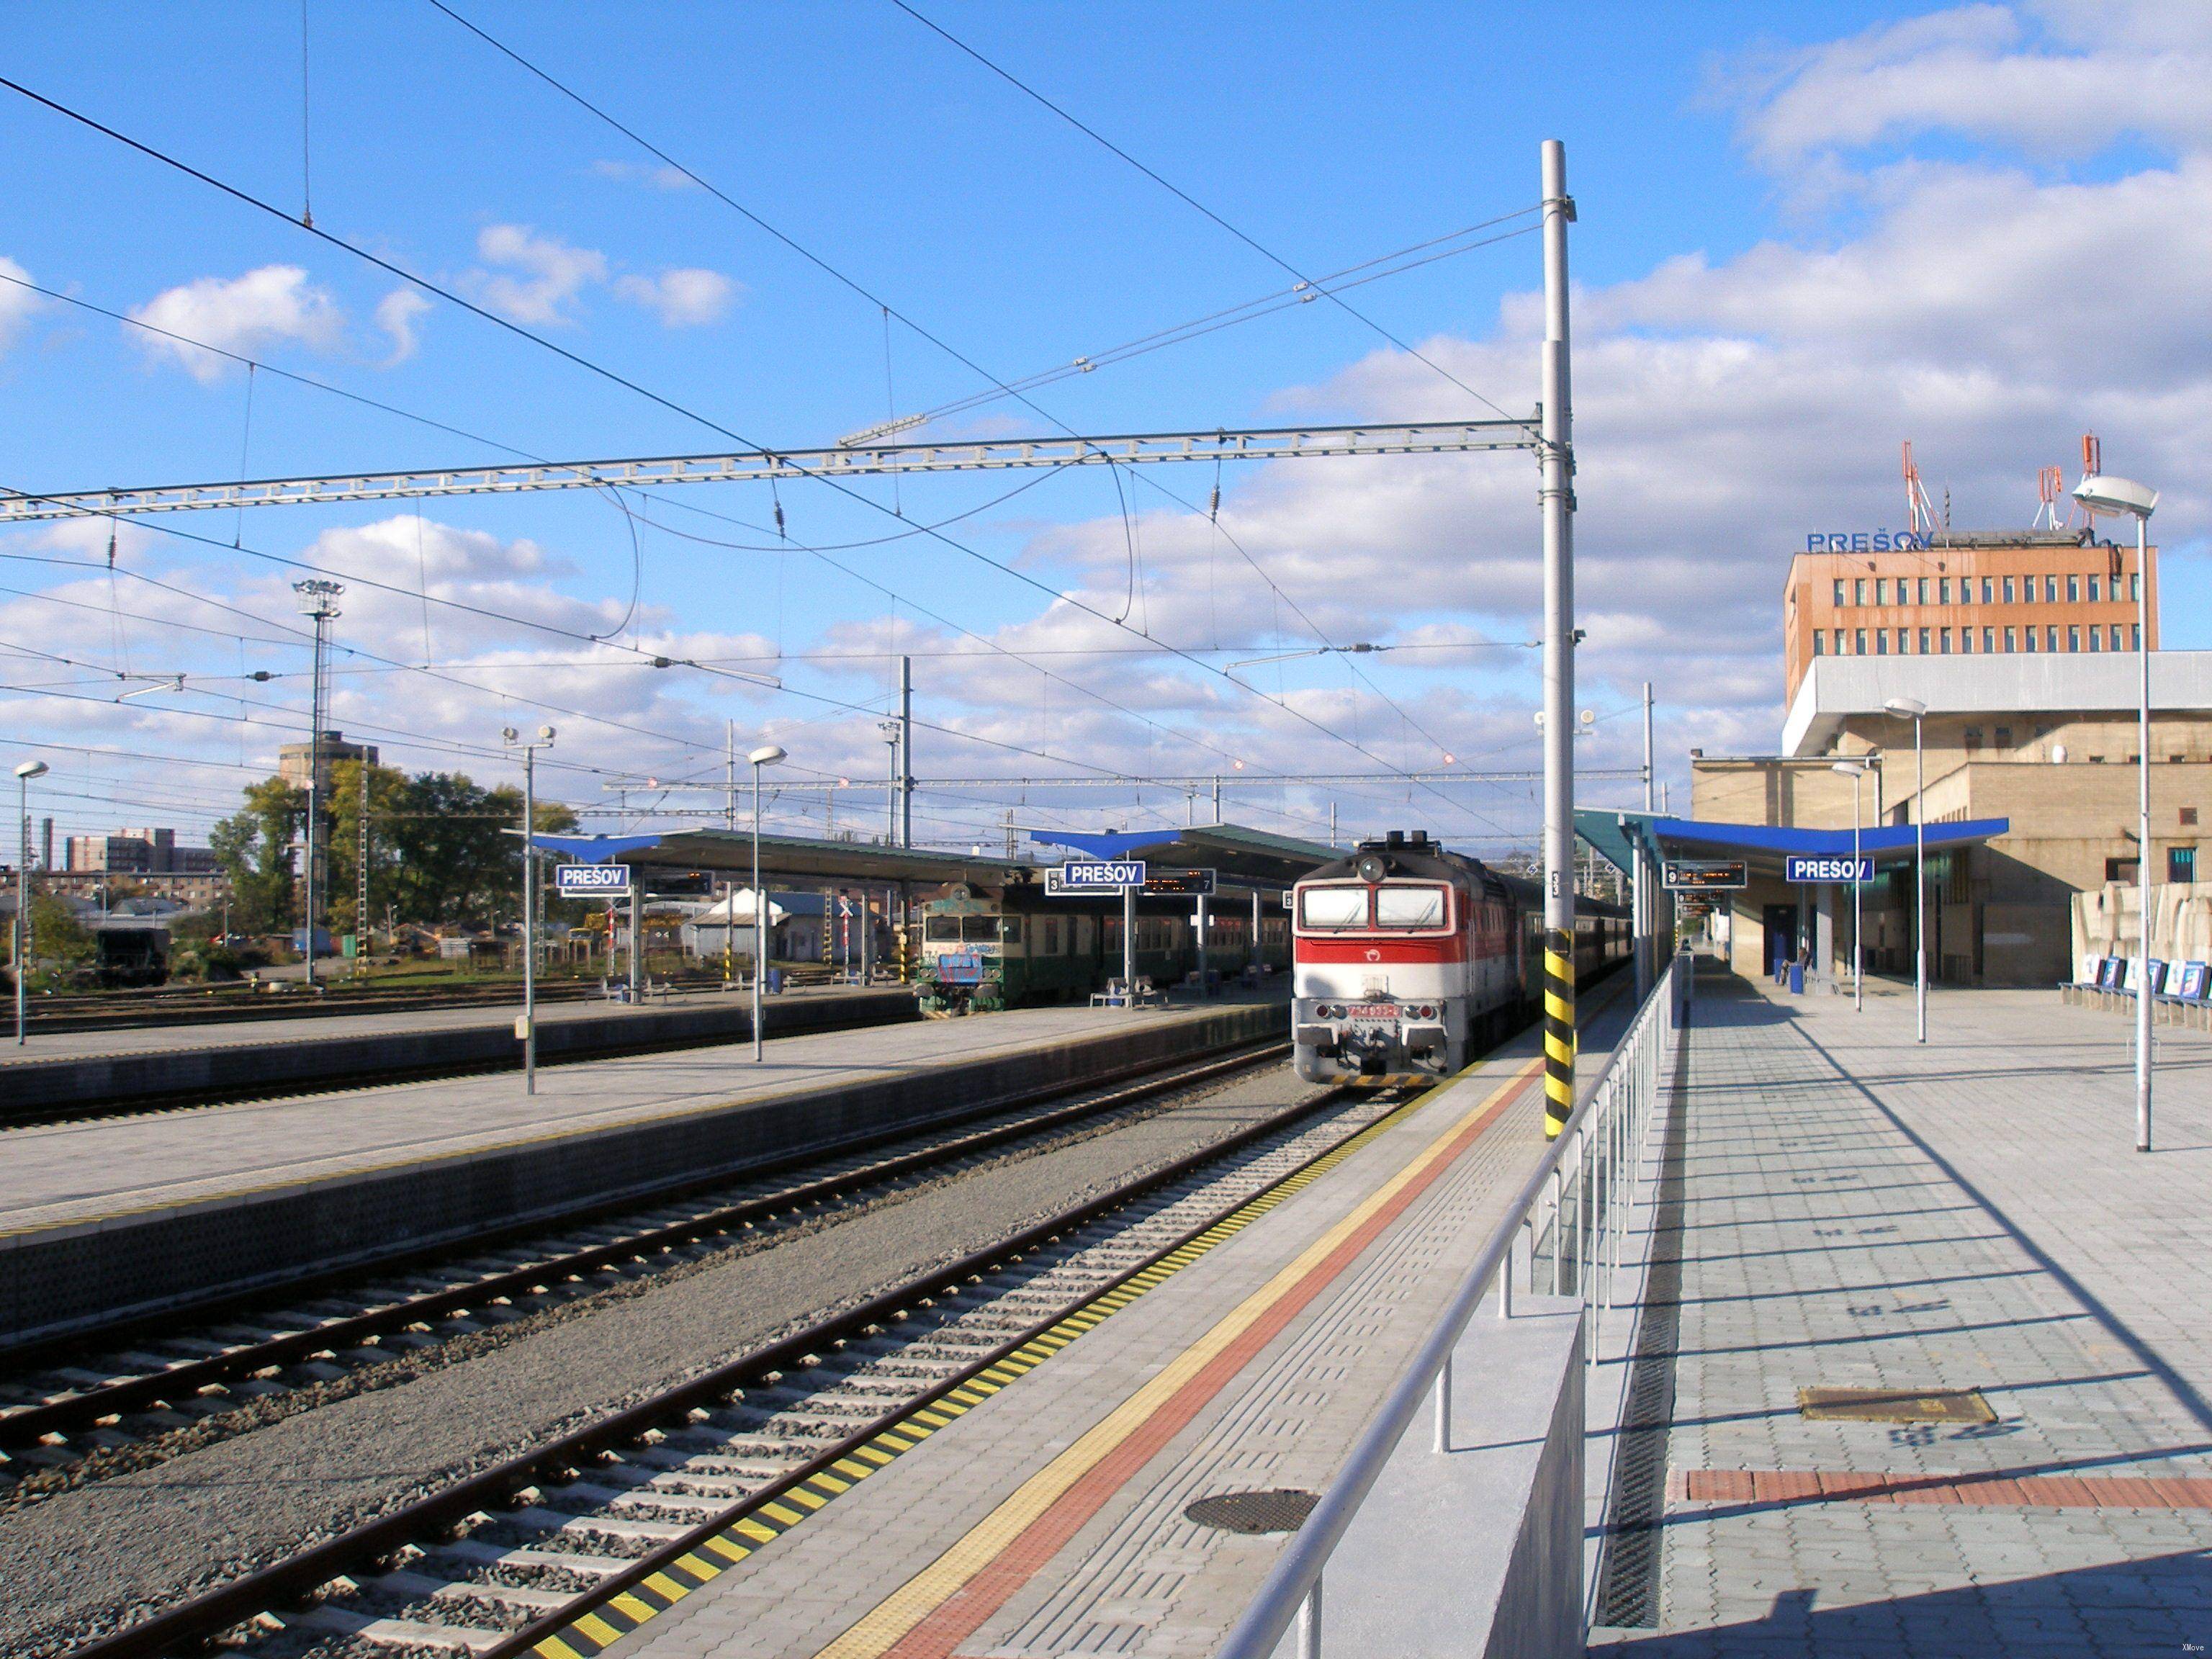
(1917, 711)
(21, 959)
(318, 601)
(529, 748)
(767, 755)
(1855, 771)
(2104, 494)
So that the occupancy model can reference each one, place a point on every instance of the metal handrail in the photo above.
(1293, 1590)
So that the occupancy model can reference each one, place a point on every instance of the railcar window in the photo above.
(979, 930)
(942, 930)
(1332, 906)
(1409, 907)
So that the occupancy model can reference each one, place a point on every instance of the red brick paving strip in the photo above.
(1997, 1490)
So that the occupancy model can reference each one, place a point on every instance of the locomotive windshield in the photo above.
(1332, 906)
(953, 930)
(1409, 907)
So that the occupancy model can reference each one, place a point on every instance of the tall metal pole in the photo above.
(318, 597)
(890, 731)
(1647, 902)
(1858, 960)
(1920, 875)
(1129, 944)
(906, 751)
(2142, 838)
(20, 959)
(759, 918)
(1557, 495)
(360, 868)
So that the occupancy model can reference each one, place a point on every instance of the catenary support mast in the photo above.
(1558, 497)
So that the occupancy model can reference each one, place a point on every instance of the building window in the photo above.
(2134, 636)
(1923, 590)
(1819, 641)
(1989, 589)
(1858, 590)
(2116, 637)
(1973, 738)
(1990, 640)
(1858, 641)
(2008, 591)
(1923, 641)
(2189, 815)
(2031, 635)
(2096, 586)
(2050, 590)
(1942, 590)
(2096, 637)
(2134, 584)
(2004, 736)
(2181, 863)
(1946, 642)
(2073, 590)
(1839, 641)
(1901, 641)
(1881, 641)
(1839, 593)
(2051, 637)
(2010, 645)
(2122, 870)
(1881, 590)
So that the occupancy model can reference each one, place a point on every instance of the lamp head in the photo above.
(1911, 708)
(768, 755)
(545, 734)
(1849, 768)
(27, 770)
(2103, 493)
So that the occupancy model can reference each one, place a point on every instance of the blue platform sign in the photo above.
(1089, 876)
(1826, 867)
(592, 881)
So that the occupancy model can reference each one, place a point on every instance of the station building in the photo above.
(2043, 746)
(1982, 593)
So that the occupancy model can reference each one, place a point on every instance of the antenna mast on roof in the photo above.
(1919, 512)
(2050, 481)
(2093, 463)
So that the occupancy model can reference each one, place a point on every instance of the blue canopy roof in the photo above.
(1873, 842)
(1105, 843)
(594, 849)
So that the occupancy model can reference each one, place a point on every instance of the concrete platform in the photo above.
(1859, 1211)
(1050, 1518)
(102, 1219)
(54, 1074)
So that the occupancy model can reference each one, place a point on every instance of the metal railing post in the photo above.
(1310, 1623)
(1443, 1407)
(1505, 1281)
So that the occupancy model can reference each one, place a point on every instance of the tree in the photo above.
(388, 800)
(457, 861)
(254, 846)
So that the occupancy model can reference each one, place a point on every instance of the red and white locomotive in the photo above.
(1410, 960)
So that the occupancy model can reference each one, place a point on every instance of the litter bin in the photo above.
(775, 982)
(1797, 979)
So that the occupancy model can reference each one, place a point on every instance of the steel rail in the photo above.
(1291, 1591)
(755, 465)
(74, 1412)
(289, 1581)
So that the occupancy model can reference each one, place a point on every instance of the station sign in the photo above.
(1089, 877)
(592, 881)
(1180, 883)
(1826, 867)
(1864, 541)
(1703, 875)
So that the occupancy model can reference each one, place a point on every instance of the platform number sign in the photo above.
(592, 881)
(1704, 875)
(1088, 877)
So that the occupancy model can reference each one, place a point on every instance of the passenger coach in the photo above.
(1410, 960)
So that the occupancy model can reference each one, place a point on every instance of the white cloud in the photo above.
(685, 298)
(541, 276)
(635, 173)
(17, 304)
(246, 314)
(395, 314)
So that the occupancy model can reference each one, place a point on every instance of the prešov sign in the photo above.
(1703, 875)
(1826, 867)
(592, 881)
(1084, 879)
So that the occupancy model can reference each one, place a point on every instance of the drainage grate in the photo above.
(1894, 1405)
(1629, 1569)
(1283, 1509)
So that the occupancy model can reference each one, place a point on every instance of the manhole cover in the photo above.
(1895, 1406)
(1283, 1510)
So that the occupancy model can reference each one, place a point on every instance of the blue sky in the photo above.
(1784, 269)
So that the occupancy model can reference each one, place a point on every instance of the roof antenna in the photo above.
(1920, 515)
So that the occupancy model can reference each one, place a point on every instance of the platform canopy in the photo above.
(1239, 854)
(1764, 846)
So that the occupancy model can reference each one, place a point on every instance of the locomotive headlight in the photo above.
(1371, 867)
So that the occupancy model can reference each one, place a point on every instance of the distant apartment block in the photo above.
(293, 759)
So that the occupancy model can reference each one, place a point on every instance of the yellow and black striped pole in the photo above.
(1558, 1031)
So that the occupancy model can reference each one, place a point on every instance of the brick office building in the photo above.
(1963, 593)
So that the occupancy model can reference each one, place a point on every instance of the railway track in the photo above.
(68, 1408)
(651, 1494)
